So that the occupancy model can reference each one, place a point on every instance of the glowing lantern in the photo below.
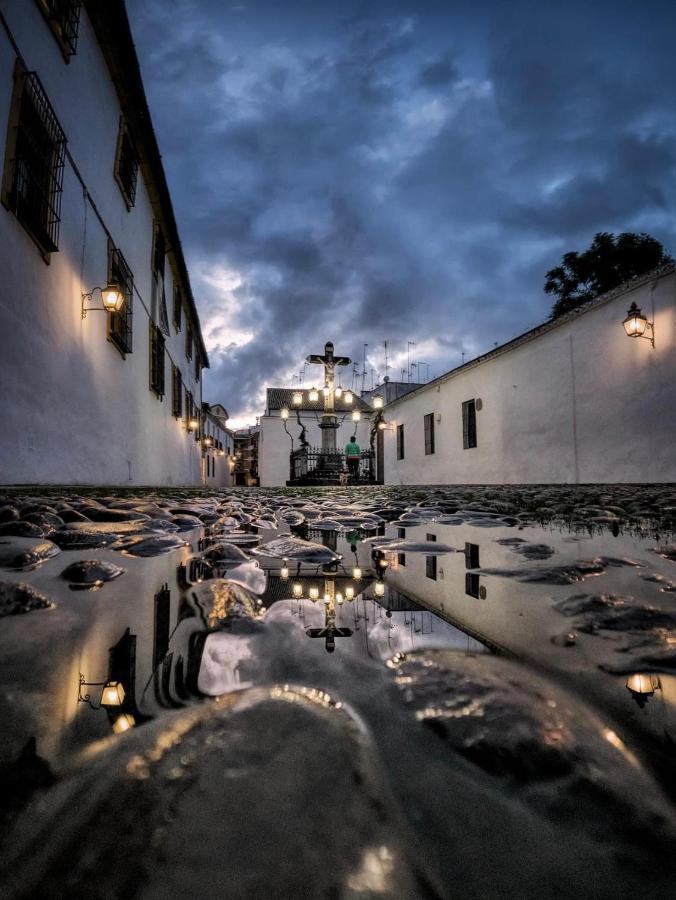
(314, 395)
(356, 415)
(349, 592)
(297, 398)
(348, 397)
(112, 694)
(378, 401)
(379, 589)
(123, 723)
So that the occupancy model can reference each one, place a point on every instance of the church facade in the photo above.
(92, 393)
(576, 400)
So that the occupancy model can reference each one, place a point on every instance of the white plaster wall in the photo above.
(274, 447)
(223, 474)
(73, 410)
(580, 403)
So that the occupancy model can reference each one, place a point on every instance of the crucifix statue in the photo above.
(329, 423)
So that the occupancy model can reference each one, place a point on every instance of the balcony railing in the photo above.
(308, 463)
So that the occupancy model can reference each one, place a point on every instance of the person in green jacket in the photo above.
(352, 454)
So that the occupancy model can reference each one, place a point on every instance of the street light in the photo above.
(356, 415)
(297, 590)
(338, 392)
(297, 398)
(112, 299)
(314, 395)
(379, 589)
(636, 325)
(348, 397)
(378, 401)
(193, 424)
(284, 413)
(326, 390)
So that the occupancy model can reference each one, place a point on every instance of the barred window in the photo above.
(178, 307)
(429, 434)
(188, 342)
(34, 162)
(176, 393)
(120, 323)
(156, 360)
(126, 164)
(159, 250)
(63, 17)
(469, 424)
(400, 441)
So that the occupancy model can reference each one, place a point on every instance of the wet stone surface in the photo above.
(400, 693)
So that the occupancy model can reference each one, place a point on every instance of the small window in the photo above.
(401, 532)
(63, 17)
(176, 392)
(198, 367)
(188, 406)
(431, 561)
(120, 323)
(126, 165)
(188, 343)
(401, 559)
(469, 424)
(34, 162)
(400, 441)
(156, 360)
(159, 251)
(471, 556)
(472, 585)
(178, 307)
(429, 434)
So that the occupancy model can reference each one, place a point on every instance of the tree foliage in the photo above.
(607, 263)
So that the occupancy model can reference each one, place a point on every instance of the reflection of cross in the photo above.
(329, 423)
(330, 631)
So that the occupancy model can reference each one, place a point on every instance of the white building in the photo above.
(575, 400)
(277, 441)
(104, 397)
(218, 447)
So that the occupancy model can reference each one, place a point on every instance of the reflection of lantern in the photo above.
(348, 397)
(314, 395)
(349, 592)
(382, 426)
(284, 413)
(297, 590)
(123, 723)
(356, 415)
(378, 401)
(643, 686)
(284, 573)
(356, 572)
(339, 597)
(297, 398)
(314, 593)
(379, 589)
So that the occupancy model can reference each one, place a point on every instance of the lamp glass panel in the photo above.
(123, 723)
(113, 694)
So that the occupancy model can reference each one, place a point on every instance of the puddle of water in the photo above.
(529, 633)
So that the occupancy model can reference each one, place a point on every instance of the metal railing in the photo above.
(315, 462)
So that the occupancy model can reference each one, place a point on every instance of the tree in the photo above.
(607, 263)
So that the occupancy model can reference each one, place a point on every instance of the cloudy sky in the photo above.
(399, 171)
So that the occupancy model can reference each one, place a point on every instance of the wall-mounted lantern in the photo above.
(378, 401)
(314, 395)
(207, 440)
(112, 693)
(193, 424)
(112, 299)
(284, 413)
(297, 398)
(637, 325)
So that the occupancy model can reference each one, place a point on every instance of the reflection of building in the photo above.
(246, 456)
(574, 400)
(104, 397)
(218, 447)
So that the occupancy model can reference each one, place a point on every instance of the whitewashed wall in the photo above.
(73, 410)
(217, 471)
(581, 402)
(274, 446)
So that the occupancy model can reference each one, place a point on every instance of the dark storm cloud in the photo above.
(399, 172)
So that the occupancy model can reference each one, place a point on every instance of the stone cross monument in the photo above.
(329, 423)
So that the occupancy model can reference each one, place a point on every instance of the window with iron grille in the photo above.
(126, 164)
(120, 323)
(400, 441)
(469, 424)
(176, 392)
(34, 162)
(63, 17)
(156, 360)
(159, 251)
(178, 307)
(188, 342)
(188, 406)
(429, 434)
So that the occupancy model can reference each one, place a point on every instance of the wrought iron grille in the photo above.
(178, 307)
(156, 360)
(469, 424)
(309, 462)
(429, 434)
(64, 18)
(120, 323)
(126, 169)
(176, 393)
(37, 164)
